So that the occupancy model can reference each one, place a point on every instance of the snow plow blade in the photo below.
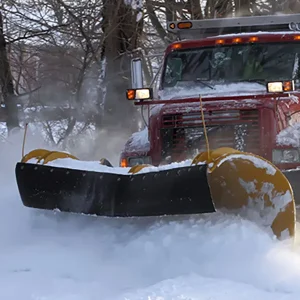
(223, 179)
(168, 192)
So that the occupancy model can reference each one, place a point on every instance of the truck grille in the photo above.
(183, 136)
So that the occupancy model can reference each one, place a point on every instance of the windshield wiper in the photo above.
(204, 83)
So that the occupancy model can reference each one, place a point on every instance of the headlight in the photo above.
(139, 160)
(142, 94)
(285, 156)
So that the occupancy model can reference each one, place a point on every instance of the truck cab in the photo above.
(241, 74)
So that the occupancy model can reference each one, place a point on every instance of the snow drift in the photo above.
(52, 255)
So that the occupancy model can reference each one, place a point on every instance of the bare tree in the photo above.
(6, 82)
(68, 61)
(66, 40)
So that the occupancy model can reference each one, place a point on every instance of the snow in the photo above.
(233, 89)
(139, 140)
(266, 217)
(155, 109)
(183, 90)
(139, 16)
(174, 165)
(283, 33)
(136, 5)
(293, 98)
(258, 162)
(95, 166)
(3, 131)
(60, 256)
(289, 136)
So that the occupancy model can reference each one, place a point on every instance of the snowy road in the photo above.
(54, 256)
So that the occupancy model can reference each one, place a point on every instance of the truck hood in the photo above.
(214, 105)
(252, 99)
(191, 90)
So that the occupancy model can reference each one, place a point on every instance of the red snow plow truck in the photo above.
(221, 133)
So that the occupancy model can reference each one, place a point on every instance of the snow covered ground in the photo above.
(56, 256)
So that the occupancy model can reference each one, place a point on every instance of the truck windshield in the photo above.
(233, 63)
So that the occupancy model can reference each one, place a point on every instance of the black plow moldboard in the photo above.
(168, 192)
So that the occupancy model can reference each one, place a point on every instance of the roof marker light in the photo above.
(253, 39)
(176, 46)
(172, 25)
(237, 40)
(185, 25)
(220, 42)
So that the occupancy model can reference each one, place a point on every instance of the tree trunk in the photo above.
(170, 10)
(121, 33)
(155, 21)
(196, 11)
(242, 8)
(7, 85)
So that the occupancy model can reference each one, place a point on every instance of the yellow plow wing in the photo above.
(249, 184)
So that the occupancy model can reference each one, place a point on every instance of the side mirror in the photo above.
(136, 73)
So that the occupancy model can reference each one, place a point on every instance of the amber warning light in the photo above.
(185, 25)
(253, 39)
(123, 163)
